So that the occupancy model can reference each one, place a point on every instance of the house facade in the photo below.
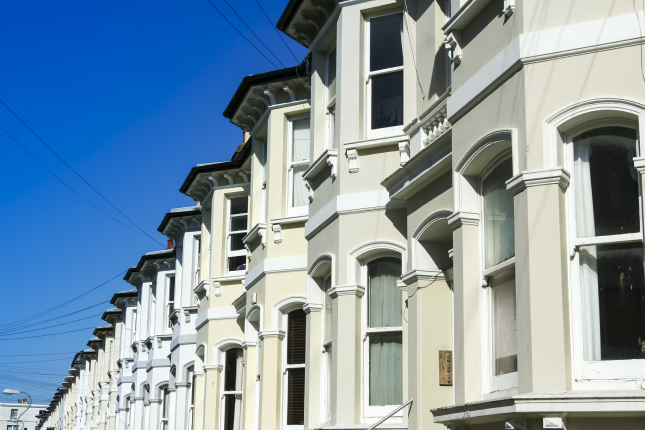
(434, 221)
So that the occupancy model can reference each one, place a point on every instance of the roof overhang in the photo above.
(302, 20)
(177, 221)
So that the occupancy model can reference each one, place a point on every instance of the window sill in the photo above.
(259, 230)
(327, 158)
(352, 148)
(277, 223)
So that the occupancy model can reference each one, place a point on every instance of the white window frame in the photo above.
(13, 416)
(386, 131)
(331, 102)
(169, 285)
(190, 419)
(240, 252)
(285, 371)
(295, 210)
(326, 359)
(374, 413)
(163, 421)
(492, 386)
(197, 264)
(597, 374)
(228, 393)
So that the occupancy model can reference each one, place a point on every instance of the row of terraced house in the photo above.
(440, 208)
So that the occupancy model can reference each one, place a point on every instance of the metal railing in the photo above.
(388, 416)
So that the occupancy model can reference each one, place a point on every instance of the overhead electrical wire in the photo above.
(2, 332)
(276, 30)
(55, 325)
(76, 173)
(48, 334)
(64, 183)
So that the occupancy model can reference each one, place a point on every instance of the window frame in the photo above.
(295, 210)
(13, 416)
(241, 252)
(170, 285)
(197, 264)
(385, 131)
(285, 370)
(601, 374)
(374, 413)
(503, 384)
(165, 408)
(224, 393)
(330, 102)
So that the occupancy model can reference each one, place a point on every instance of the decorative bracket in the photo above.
(452, 44)
(218, 288)
(509, 7)
(404, 151)
(277, 232)
(289, 91)
(352, 157)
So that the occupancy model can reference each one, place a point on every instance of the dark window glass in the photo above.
(229, 411)
(296, 397)
(296, 337)
(237, 263)
(230, 370)
(614, 298)
(239, 205)
(385, 42)
(238, 223)
(605, 157)
(171, 289)
(387, 100)
(331, 74)
(236, 241)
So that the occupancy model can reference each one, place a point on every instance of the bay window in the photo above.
(608, 239)
(331, 97)
(499, 270)
(384, 74)
(294, 370)
(236, 230)
(298, 163)
(232, 389)
(384, 335)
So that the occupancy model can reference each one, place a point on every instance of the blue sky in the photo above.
(131, 95)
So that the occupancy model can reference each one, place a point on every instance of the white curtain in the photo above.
(499, 215)
(386, 369)
(585, 227)
(505, 325)
(300, 193)
(300, 149)
(384, 306)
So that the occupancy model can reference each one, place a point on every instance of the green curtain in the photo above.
(385, 306)
(386, 369)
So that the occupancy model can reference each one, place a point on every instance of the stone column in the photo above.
(467, 319)
(270, 378)
(154, 422)
(212, 397)
(198, 409)
(172, 400)
(180, 405)
(541, 279)
(247, 419)
(138, 413)
(429, 315)
(313, 368)
(346, 337)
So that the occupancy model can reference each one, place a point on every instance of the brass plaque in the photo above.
(445, 367)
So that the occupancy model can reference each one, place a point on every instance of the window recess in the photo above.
(236, 230)
(298, 163)
(294, 369)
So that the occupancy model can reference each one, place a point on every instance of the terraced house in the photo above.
(436, 220)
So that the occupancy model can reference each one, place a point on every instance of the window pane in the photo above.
(387, 100)
(239, 205)
(296, 397)
(232, 406)
(171, 289)
(236, 241)
(386, 49)
(613, 296)
(499, 215)
(300, 145)
(606, 182)
(300, 193)
(296, 337)
(384, 297)
(386, 369)
(237, 263)
(328, 309)
(504, 323)
(331, 74)
(238, 223)
(230, 370)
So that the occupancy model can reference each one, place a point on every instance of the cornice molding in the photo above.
(459, 218)
(271, 334)
(534, 178)
(312, 307)
(417, 275)
(347, 290)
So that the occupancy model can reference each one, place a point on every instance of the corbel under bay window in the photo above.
(236, 229)
(384, 72)
(298, 163)
(500, 333)
(607, 267)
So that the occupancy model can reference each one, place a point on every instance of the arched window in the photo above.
(232, 389)
(295, 340)
(609, 240)
(384, 334)
(499, 253)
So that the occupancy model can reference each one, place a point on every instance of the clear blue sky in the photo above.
(131, 95)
